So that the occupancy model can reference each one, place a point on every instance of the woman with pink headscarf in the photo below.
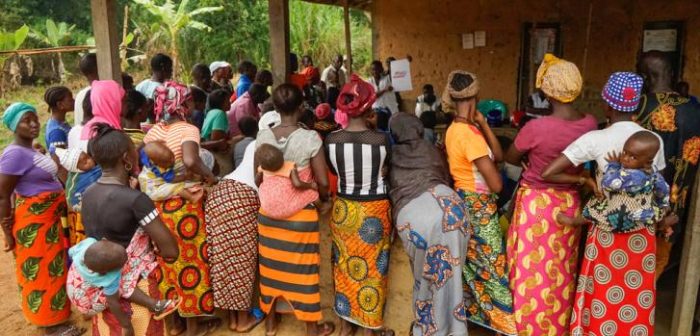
(188, 276)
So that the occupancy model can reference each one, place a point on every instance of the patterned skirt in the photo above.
(361, 233)
(232, 233)
(433, 228)
(543, 256)
(488, 298)
(616, 291)
(40, 258)
(188, 276)
(289, 261)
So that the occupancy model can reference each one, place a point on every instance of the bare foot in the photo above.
(565, 220)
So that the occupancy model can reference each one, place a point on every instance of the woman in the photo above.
(472, 151)
(215, 129)
(232, 232)
(360, 224)
(114, 211)
(432, 223)
(289, 280)
(542, 252)
(33, 230)
(188, 276)
(60, 101)
(615, 293)
(135, 112)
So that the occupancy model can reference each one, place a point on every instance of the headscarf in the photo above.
(218, 65)
(354, 99)
(559, 79)
(322, 111)
(450, 94)
(13, 114)
(69, 158)
(416, 165)
(623, 91)
(170, 99)
(106, 99)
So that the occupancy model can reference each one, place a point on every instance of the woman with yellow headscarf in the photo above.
(542, 253)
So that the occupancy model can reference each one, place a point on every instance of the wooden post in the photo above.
(689, 277)
(279, 39)
(104, 24)
(348, 37)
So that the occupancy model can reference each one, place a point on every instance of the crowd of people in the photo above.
(172, 201)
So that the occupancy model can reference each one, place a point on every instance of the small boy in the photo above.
(96, 282)
(158, 179)
(638, 195)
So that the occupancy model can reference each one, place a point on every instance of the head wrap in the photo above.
(416, 165)
(450, 94)
(170, 99)
(218, 65)
(13, 114)
(69, 158)
(322, 111)
(559, 79)
(106, 99)
(623, 91)
(354, 99)
(269, 120)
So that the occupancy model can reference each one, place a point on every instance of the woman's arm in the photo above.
(7, 186)
(491, 138)
(320, 170)
(163, 240)
(193, 163)
(488, 170)
(554, 173)
(514, 156)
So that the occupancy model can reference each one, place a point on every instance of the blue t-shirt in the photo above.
(109, 282)
(56, 134)
(244, 84)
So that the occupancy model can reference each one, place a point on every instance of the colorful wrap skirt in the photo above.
(40, 258)
(616, 290)
(232, 233)
(289, 262)
(361, 233)
(188, 276)
(543, 256)
(434, 230)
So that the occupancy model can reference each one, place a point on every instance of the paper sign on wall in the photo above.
(401, 75)
(468, 41)
(660, 39)
(480, 38)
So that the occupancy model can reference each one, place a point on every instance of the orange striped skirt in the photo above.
(289, 261)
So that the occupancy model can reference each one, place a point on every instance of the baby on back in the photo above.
(159, 179)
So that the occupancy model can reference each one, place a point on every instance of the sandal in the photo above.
(326, 328)
(252, 326)
(164, 308)
(70, 330)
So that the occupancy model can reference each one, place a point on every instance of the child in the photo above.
(75, 160)
(158, 179)
(638, 195)
(96, 282)
(60, 102)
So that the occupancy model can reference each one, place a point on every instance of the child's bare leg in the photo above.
(140, 298)
(571, 221)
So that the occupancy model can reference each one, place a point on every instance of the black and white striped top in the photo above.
(360, 160)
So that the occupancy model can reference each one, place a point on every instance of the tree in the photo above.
(55, 36)
(172, 21)
(10, 41)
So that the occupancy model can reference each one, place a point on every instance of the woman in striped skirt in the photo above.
(288, 224)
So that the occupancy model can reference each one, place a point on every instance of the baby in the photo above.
(75, 160)
(638, 195)
(95, 282)
(158, 179)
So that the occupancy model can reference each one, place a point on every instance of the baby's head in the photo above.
(640, 150)
(159, 154)
(105, 256)
(75, 160)
(85, 162)
(269, 157)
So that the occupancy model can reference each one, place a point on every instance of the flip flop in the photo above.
(326, 328)
(71, 330)
(168, 307)
(252, 326)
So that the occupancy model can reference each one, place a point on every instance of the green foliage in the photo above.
(12, 41)
(54, 35)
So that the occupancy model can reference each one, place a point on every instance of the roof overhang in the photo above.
(359, 4)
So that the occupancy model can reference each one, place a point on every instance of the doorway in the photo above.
(537, 40)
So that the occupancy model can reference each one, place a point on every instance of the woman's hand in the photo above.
(325, 207)
(9, 243)
(591, 183)
(478, 119)
(210, 180)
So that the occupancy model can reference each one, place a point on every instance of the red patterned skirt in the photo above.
(232, 232)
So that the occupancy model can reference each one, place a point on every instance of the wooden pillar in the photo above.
(279, 39)
(689, 277)
(348, 36)
(104, 24)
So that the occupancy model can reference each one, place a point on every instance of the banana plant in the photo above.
(55, 35)
(171, 20)
(10, 41)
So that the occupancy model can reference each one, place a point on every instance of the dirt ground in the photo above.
(398, 315)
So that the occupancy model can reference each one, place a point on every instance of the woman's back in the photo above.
(299, 146)
(359, 160)
(174, 135)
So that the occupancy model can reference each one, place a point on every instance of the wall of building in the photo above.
(430, 31)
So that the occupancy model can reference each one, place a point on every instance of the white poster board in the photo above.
(401, 75)
(480, 38)
(468, 41)
(660, 39)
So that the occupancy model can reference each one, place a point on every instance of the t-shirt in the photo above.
(544, 139)
(37, 171)
(109, 282)
(243, 85)
(595, 145)
(244, 170)
(240, 149)
(465, 144)
(215, 120)
(174, 135)
(388, 99)
(241, 108)
(56, 134)
(148, 87)
(115, 212)
(78, 113)
(332, 77)
(300, 146)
